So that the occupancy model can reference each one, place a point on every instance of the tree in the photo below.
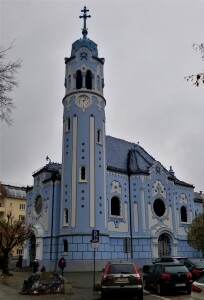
(12, 233)
(198, 78)
(195, 235)
(8, 82)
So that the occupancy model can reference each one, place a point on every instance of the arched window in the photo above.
(65, 245)
(67, 124)
(83, 173)
(99, 136)
(115, 206)
(66, 216)
(183, 214)
(89, 80)
(78, 80)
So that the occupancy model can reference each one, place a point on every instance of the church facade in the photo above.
(109, 198)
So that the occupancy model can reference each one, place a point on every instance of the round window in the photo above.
(38, 204)
(159, 207)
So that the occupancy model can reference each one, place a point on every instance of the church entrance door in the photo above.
(32, 249)
(164, 245)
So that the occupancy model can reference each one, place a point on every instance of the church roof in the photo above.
(50, 167)
(118, 151)
(84, 42)
(131, 158)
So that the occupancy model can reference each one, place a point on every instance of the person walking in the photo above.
(35, 266)
(62, 264)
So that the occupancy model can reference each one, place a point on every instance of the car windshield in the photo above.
(199, 264)
(175, 269)
(121, 269)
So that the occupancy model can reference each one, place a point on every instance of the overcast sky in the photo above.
(147, 46)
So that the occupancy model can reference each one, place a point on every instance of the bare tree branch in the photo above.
(197, 79)
(12, 233)
(8, 82)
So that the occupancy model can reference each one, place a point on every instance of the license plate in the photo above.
(122, 280)
(180, 284)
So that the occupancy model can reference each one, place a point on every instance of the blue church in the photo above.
(109, 198)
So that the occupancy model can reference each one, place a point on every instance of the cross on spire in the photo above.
(84, 30)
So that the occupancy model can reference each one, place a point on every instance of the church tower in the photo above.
(83, 200)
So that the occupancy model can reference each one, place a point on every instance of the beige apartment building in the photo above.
(13, 202)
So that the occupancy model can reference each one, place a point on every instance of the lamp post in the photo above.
(130, 207)
(53, 178)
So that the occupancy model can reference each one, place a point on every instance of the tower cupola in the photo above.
(84, 69)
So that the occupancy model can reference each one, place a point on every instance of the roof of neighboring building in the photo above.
(199, 197)
(7, 190)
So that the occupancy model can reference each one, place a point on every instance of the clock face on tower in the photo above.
(83, 102)
(38, 204)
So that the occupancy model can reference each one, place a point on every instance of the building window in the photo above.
(89, 80)
(99, 136)
(21, 218)
(83, 173)
(65, 245)
(67, 124)
(78, 80)
(115, 206)
(22, 206)
(65, 216)
(19, 251)
(183, 214)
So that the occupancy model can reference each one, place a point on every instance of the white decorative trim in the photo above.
(92, 173)
(136, 220)
(67, 103)
(143, 209)
(74, 173)
(104, 172)
(99, 105)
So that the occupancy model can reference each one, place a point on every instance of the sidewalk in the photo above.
(82, 284)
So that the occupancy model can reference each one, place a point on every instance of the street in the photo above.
(82, 284)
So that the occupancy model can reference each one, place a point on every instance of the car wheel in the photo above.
(103, 295)
(188, 290)
(159, 289)
(145, 284)
(140, 296)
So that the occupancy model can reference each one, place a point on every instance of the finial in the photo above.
(48, 159)
(84, 30)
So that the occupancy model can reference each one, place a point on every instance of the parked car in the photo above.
(194, 265)
(121, 277)
(179, 258)
(165, 259)
(166, 276)
(197, 287)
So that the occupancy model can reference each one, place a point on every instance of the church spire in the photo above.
(84, 29)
